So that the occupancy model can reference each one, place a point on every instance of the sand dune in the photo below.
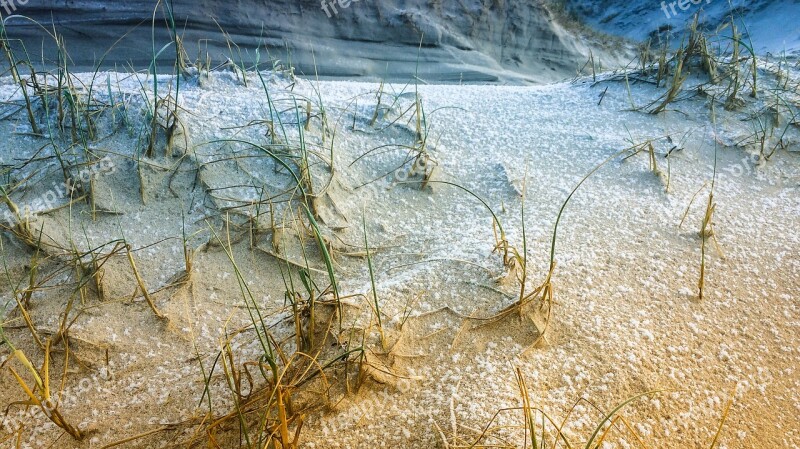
(771, 25)
(461, 41)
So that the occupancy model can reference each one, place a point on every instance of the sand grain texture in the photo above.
(626, 318)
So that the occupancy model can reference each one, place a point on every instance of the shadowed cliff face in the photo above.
(469, 40)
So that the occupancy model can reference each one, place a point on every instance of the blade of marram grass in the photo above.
(372, 281)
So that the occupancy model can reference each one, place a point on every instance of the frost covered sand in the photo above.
(625, 318)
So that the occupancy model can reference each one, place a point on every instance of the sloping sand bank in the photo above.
(770, 26)
(468, 41)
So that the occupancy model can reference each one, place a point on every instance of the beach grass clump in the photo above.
(35, 383)
(13, 65)
(704, 53)
(265, 392)
(21, 226)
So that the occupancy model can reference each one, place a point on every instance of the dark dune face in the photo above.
(469, 40)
